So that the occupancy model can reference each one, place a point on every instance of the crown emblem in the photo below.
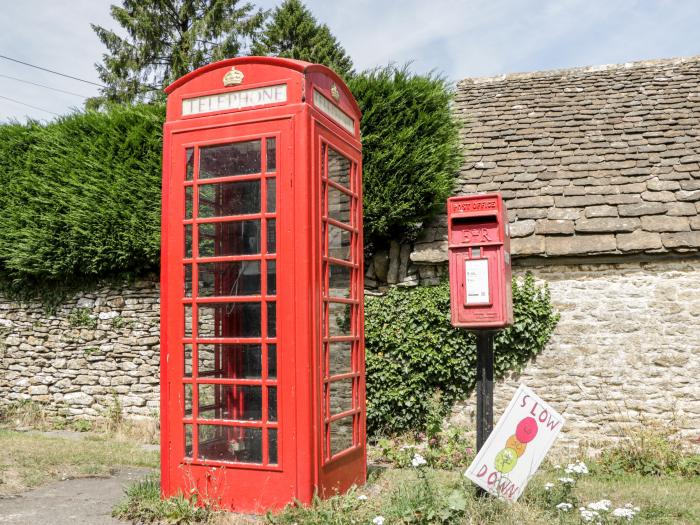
(335, 93)
(233, 77)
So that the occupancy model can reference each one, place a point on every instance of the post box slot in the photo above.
(477, 219)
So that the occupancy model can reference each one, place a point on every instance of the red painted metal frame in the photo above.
(478, 224)
(302, 134)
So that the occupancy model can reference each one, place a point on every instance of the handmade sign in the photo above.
(516, 447)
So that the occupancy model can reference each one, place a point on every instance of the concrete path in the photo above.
(83, 501)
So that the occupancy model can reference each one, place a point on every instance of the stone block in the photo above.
(543, 201)
(665, 223)
(579, 201)
(522, 228)
(681, 239)
(564, 213)
(580, 245)
(607, 224)
(601, 211)
(638, 241)
(532, 245)
(688, 196)
(430, 253)
(681, 209)
(663, 185)
(392, 276)
(381, 265)
(637, 210)
(659, 196)
(554, 227)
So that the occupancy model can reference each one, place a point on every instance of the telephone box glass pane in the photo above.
(339, 242)
(341, 396)
(271, 277)
(188, 241)
(340, 358)
(225, 361)
(341, 435)
(271, 319)
(188, 320)
(339, 281)
(229, 278)
(229, 320)
(272, 404)
(229, 238)
(188, 400)
(227, 160)
(229, 198)
(188, 441)
(223, 443)
(272, 446)
(272, 361)
(188, 280)
(339, 205)
(272, 236)
(339, 319)
(189, 163)
(271, 145)
(187, 349)
(271, 195)
(230, 402)
(188, 202)
(338, 168)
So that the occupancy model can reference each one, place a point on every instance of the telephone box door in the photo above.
(341, 371)
(230, 424)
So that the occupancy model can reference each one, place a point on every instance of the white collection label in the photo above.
(333, 111)
(246, 98)
(477, 281)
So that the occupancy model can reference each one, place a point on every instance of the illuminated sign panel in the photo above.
(333, 112)
(246, 98)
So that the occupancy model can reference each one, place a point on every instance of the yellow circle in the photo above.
(516, 445)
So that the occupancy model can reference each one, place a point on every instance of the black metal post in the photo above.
(484, 386)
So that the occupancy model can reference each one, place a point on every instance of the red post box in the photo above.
(262, 343)
(479, 255)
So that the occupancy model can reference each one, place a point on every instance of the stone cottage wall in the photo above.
(98, 346)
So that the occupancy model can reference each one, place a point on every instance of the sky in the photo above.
(455, 38)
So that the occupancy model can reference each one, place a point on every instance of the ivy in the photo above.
(412, 350)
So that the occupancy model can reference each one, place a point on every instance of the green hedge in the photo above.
(80, 197)
(413, 350)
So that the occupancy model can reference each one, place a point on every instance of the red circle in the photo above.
(526, 430)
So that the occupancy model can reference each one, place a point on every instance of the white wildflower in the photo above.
(569, 481)
(379, 520)
(418, 461)
(362, 497)
(557, 467)
(627, 512)
(588, 515)
(576, 468)
(565, 507)
(603, 505)
(548, 486)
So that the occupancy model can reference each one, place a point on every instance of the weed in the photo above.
(91, 350)
(82, 425)
(81, 318)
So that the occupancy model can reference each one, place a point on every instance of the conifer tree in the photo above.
(166, 39)
(293, 32)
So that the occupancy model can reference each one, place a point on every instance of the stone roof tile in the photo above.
(595, 160)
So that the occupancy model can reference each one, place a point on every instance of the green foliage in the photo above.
(80, 198)
(413, 350)
(293, 32)
(144, 505)
(81, 318)
(649, 449)
(411, 150)
(166, 40)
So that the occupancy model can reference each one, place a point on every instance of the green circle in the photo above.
(505, 460)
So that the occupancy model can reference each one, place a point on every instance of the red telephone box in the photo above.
(479, 254)
(262, 347)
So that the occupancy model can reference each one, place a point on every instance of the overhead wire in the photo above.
(28, 105)
(43, 86)
(52, 71)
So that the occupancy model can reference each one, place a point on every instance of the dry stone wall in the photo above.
(98, 347)
(626, 351)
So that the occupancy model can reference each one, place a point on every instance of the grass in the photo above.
(30, 459)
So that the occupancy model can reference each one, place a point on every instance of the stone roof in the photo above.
(591, 161)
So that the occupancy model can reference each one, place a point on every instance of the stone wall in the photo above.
(97, 345)
(627, 348)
